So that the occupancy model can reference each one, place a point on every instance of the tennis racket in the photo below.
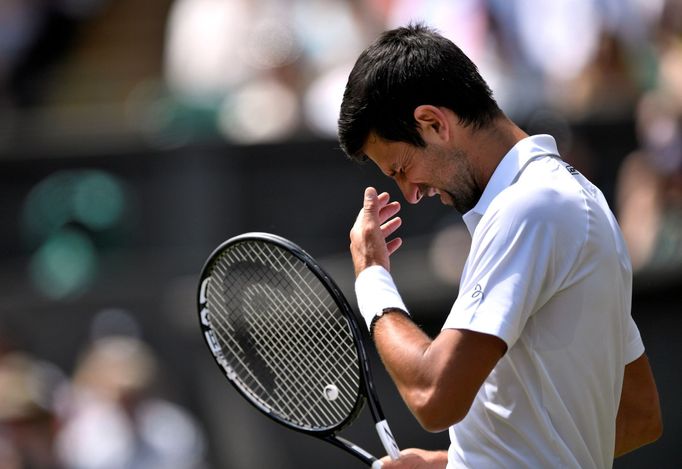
(284, 335)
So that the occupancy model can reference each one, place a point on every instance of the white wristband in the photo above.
(376, 292)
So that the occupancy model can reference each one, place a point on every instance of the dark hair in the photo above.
(405, 68)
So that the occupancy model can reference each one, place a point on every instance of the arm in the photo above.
(639, 414)
(438, 379)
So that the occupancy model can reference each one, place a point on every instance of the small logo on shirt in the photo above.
(478, 291)
(571, 169)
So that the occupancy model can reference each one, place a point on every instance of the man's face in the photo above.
(432, 170)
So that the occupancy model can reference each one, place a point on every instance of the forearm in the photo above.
(629, 439)
(423, 373)
(402, 347)
(633, 435)
(638, 421)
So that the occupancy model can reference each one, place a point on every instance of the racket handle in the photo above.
(377, 464)
(387, 439)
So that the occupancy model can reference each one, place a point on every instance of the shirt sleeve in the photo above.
(518, 260)
(634, 347)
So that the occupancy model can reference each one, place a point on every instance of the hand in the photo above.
(374, 224)
(415, 458)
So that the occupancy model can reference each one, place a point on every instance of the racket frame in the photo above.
(367, 391)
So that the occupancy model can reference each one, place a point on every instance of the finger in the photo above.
(388, 228)
(388, 211)
(383, 200)
(384, 197)
(393, 245)
(385, 461)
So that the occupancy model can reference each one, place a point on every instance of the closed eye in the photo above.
(393, 172)
(390, 172)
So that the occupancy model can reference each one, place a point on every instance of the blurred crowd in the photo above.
(274, 67)
(109, 413)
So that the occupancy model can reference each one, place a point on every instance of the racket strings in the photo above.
(283, 335)
(302, 368)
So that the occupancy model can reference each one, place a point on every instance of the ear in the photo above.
(433, 123)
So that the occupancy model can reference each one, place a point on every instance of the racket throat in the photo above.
(355, 450)
(387, 439)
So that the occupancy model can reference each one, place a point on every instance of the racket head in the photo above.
(282, 333)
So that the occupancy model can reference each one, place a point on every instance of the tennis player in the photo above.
(539, 362)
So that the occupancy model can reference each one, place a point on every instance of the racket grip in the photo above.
(377, 464)
(387, 439)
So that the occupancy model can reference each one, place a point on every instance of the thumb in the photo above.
(371, 201)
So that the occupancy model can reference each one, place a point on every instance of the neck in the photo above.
(492, 144)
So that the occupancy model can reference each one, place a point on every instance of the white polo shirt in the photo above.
(548, 273)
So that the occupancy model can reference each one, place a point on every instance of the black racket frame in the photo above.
(367, 389)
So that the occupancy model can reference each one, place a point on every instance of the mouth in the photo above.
(446, 198)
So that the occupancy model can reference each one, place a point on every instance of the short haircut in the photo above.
(403, 69)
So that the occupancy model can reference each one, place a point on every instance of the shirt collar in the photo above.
(506, 172)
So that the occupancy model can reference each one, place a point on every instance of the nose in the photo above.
(412, 192)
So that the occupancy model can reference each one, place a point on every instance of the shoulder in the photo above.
(543, 211)
(539, 203)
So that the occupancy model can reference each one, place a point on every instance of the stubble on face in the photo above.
(456, 179)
